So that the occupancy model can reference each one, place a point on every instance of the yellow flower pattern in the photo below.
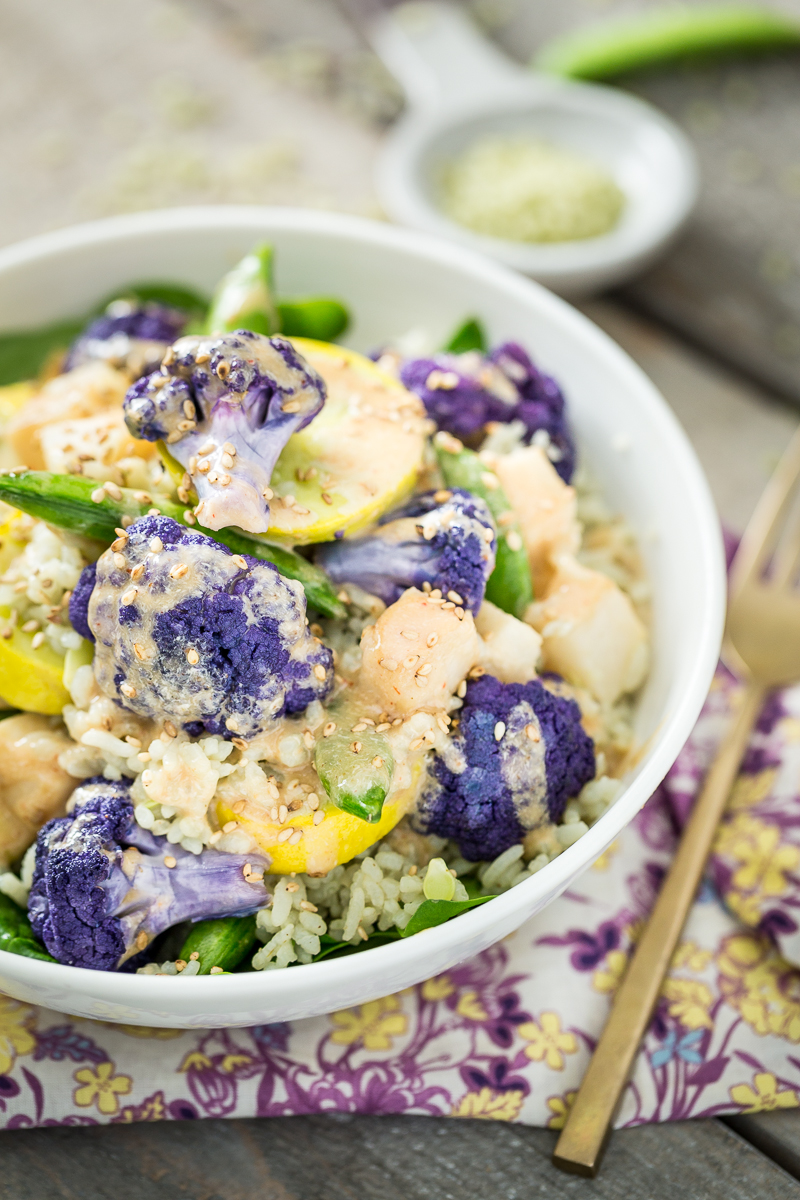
(689, 1002)
(764, 1096)
(604, 861)
(16, 1036)
(750, 790)
(609, 977)
(560, 1107)
(547, 1041)
(763, 862)
(691, 957)
(489, 1105)
(101, 1087)
(375, 1024)
(469, 1006)
(438, 988)
(762, 986)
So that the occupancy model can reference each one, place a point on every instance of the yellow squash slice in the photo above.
(337, 839)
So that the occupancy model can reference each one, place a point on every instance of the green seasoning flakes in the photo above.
(529, 191)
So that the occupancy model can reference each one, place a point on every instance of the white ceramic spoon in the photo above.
(460, 87)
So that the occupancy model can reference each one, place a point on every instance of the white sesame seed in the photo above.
(114, 492)
(189, 409)
(207, 448)
(30, 626)
(127, 690)
(156, 545)
(285, 834)
(227, 461)
(318, 817)
(98, 495)
(377, 762)
(356, 747)
(490, 481)
(388, 664)
(267, 493)
(319, 671)
(38, 640)
(203, 466)
(499, 731)
(137, 572)
(240, 561)
(532, 732)
(129, 596)
(329, 729)
(178, 571)
(192, 657)
(143, 497)
(425, 669)
(283, 813)
(141, 654)
(229, 448)
(415, 745)
(169, 861)
(296, 837)
(120, 543)
(411, 661)
(224, 480)
(513, 541)
(126, 521)
(120, 561)
(410, 634)
(461, 690)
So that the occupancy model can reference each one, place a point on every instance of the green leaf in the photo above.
(469, 336)
(333, 949)
(321, 318)
(24, 354)
(173, 295)
(666, 35)
(435, 912)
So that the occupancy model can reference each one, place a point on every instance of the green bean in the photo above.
(244, 298)
(66, 501)
(356, 771)
(469, 336)
(509, 585)
(319, 317)
(665, 35)
(223, 942)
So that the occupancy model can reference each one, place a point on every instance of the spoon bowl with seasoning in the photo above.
(576, 185)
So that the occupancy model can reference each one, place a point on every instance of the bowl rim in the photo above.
(157, 993)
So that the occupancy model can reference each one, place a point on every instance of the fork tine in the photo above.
(757, 542)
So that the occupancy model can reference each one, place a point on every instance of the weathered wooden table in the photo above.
(141, 104)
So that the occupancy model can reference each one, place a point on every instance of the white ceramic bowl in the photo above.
(393, 281)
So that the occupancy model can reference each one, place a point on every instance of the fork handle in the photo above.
(583, 1140)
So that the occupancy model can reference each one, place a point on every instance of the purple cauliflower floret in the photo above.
(212, 640)
(129, 334)
(102, 891)
(226, 406)
(445, 539)
(79, 602)
(486, 792)
(465, 393)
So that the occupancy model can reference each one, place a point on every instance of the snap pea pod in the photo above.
(66, 501)
(223, 942)
(244, 298)
(665, 35)
(16, 935)
(509, 585)
(356, 770)
(469, 336)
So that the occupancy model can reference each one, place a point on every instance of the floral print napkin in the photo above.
(506, 1036)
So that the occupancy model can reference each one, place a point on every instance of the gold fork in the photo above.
(762, 643)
